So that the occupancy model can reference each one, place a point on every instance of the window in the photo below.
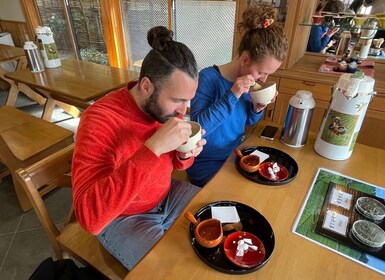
(114, 31)
(85, 33)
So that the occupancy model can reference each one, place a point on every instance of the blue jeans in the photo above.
(129, 238)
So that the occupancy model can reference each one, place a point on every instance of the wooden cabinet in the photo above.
(373, 127)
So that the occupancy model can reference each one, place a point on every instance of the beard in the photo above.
(153, 108)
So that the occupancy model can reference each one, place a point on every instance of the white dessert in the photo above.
(276, 167)
(244, 245)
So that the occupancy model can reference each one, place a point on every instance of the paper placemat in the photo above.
(312, 210)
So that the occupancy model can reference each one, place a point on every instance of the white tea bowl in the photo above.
(265, 94)
(195, 136)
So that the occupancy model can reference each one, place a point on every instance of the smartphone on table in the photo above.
(269, 132)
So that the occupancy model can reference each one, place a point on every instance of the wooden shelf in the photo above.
(342, 27)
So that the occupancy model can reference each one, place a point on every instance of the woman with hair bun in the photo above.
(125, 152)
(222, 104)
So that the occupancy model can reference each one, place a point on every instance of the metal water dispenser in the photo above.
(298, 119)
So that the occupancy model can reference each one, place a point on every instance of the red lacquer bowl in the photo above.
(281, 175)
(251, 258)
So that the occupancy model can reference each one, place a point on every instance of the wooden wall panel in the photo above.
(18, 30)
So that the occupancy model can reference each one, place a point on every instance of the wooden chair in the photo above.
(24, 140)
(71, 239)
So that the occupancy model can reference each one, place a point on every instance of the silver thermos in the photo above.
(298, 119)
(35, 62)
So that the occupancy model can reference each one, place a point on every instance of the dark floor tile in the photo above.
(27, 251)
(58, 204)
(5, 242)
(10, 211)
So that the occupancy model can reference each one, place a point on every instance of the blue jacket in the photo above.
(317, 42)
(224, 117)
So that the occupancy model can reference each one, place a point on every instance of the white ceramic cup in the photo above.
(265, 94)
(195, 136)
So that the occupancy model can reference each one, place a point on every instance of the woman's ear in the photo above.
(146, 87)
(245, 59)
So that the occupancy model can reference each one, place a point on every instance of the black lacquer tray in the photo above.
(252, 222)
(274, 155)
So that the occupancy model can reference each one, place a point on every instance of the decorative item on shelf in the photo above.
(369, 28)
(361, 48)
(381, 22)
(352, 67)
(359, 21)
(342, 66)
(318, 19)
(341, 125)
(376, 49)
(338, 20)
(347, 21)
(344, 42)
(328, 20)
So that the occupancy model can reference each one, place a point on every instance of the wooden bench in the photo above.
(24, 140)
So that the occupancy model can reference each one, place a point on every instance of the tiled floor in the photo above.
(23, 242)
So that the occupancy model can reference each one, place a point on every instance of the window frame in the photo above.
(112, 28)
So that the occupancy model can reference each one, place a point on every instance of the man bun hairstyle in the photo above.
(165, 57)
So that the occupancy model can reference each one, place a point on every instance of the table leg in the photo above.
(48, 109)
(30, 93)
(14, 89)
(44, 98)
(71, 110)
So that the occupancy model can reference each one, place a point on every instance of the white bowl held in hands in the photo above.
(195, 136)
(265, 94)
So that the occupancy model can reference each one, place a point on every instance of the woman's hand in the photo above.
(332, 31)
(242, 85)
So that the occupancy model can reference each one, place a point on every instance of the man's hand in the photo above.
(196, 151)
(170, 136)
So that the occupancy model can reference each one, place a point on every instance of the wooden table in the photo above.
(11, 53)
(294, 257)
(75, 83)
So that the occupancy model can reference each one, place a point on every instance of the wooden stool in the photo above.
(25, 139)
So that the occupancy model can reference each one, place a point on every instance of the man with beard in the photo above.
(125, 152)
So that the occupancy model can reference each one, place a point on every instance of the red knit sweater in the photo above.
(114, 174)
